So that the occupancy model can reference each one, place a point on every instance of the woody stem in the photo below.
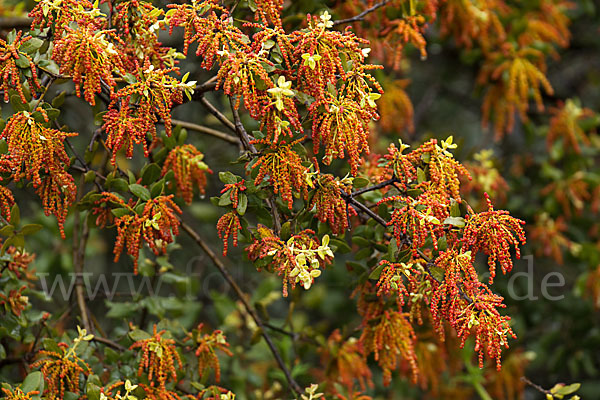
(295, 388)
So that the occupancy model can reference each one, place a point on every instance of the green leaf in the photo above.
(31, 46)
(563, 390)
(15, 215)
(58, 100)
(22, 62)
(286, 230)
(242, 204)
(150, 173)
(71, 396)
(340, 245)
(118, 184)
(227, 177)
(157, 188)
(140, 191)
(129, 78)
(421, 177)
(17, 104)
(225, 199)
(90, 176)
(360, 182)
(459, 222)
(454, 208)
(30, 229)
(92, 391)
(169, 142)
(360, 241)
(33, 381)
(51, 345)
(121, 309)
(139, 334)
(3, 147)
(7, 230)
(53, 113)
(119, 212)
(374, 275)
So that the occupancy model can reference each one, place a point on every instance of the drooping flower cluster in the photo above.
(565, 124)
(323, 51)
(342, 129)
(35, 150)
(139, 106)
(189, 169)
(63, 369)
(59, 14)
(228, 226)
(239, 75)
(391, 280)
(493, 232)
(486, 177)
(11, 62)
(390, 338)
(158, 356)
(299, 260)
(58, 192)
(19, 263)
(156, 225)
(124, 129)
(90, 58)
(330, 205)
(415, 220)
(443, 169)
(234, 190)
(525, 70)
(206, 350)
(469, 306)
(285, 172)
(138, 23)
(345, 361)
(7, 200)
(15, 302)
(202, 24)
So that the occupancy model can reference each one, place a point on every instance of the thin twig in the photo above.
(535, 386)
(209, 131)
(79, 245)
(296, 389)
(213, 110)
(375, 187)
(361, 16)
(294, 335)
(109, 343)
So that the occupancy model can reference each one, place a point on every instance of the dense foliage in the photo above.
(304, 230)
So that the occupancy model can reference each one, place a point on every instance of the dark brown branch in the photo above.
(296, 389)
(213, 110)
(10, 23)
(249, 147)
(208, 86)
(535, 386)
(374, 187)
(109, 343)
(362, 15)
